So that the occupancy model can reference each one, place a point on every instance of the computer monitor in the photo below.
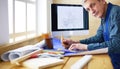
(69, 20)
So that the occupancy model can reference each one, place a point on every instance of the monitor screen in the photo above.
(69, 20)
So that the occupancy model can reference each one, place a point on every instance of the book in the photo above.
(39, 63)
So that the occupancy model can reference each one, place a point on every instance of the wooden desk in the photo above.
(98, 62)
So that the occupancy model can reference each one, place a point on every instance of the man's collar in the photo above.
(108, 11)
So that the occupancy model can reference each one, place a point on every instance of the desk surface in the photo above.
(98, 62)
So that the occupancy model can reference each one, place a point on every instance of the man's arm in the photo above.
(114, 43)
(95, 39)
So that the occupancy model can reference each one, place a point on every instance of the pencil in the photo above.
(62, 38)
(22, 58)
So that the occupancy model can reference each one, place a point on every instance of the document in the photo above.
(57, 45)
(97, 51)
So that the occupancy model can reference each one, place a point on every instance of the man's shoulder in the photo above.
(115, 12)
(115, 9)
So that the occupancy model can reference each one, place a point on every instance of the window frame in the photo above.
(14, 35)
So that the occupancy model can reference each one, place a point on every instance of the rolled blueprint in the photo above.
(81, 62)
(19, 52)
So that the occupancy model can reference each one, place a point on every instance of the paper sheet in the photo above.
(97, 51)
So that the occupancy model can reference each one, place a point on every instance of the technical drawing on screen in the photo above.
(69, 20)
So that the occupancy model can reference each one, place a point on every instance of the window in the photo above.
(22, 19)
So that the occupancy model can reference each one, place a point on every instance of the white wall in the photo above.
(4, 28)
(44, 16)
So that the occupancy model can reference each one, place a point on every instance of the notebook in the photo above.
(39, 63)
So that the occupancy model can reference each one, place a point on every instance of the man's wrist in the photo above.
(76, 42)
(86, 47)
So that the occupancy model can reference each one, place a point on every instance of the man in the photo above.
(108, 33)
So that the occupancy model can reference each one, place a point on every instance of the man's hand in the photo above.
(66, 43)
(78, 46)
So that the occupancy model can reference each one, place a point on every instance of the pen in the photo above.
(35, 56)
(64, 43)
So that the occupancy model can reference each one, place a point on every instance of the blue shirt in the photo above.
(97, 41)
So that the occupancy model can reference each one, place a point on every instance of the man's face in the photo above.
(95, 7)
